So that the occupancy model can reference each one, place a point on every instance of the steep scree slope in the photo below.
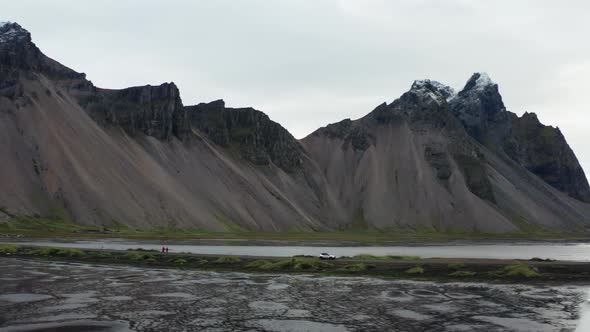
(432, 159)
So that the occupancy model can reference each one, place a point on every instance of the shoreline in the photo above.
(534, 271)
(282, 238)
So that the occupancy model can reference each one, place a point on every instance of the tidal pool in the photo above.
(83, 298)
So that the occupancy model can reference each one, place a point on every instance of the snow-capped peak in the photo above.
(434, 88)
(477, 83)
(483, 80)
(12, 31)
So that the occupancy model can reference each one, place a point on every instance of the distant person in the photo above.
(166, 249)
(163, 248)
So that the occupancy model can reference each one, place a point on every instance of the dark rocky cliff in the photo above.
(21, 58)
(544, 151)
(251, 132)
(149, 110)
(152, 110)
(157, 111)
(541, 149)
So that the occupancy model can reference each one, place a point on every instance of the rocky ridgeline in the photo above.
(358, 136)
(541, 149)
(158, 111)
(19, 55)
(148, 110)
(432, 157)
(251, 132)
(479, 109)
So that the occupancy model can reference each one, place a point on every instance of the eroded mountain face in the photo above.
(144, 110)
(540, 149)
(257, 138)
(451, 160)
(432, 159)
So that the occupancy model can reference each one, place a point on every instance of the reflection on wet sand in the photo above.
(41, 296)
(584, 323)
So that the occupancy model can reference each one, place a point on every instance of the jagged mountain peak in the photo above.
(480, 95)
(431, 86)
(539, 148)
(10, 31)
(479, 81)
(18, 53)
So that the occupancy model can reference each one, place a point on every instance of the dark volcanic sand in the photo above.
(39, 296)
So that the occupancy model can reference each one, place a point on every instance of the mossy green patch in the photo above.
(520, 270)
(143, 250)
(228, 224)
(455, 266)
(60, 226)
(406, 257)
(415, 270)
(44, 251)
(103, 255)
(140, 256)
(359, 267)
(48, 224)
(374, 257)
(527, 227)
(9, 248)
(70, 252)
(434, 269)
(228, 260)
(368, 257)
(259, 264)
(462, 274)
(61, 252)
(295, 264)
(180, 261)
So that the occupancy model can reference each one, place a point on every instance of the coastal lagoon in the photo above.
(568, 251)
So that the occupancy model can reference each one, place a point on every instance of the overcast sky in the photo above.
(310, 63)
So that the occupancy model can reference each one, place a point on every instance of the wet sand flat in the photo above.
(42, 296)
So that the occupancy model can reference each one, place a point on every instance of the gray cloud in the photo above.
(309, 63)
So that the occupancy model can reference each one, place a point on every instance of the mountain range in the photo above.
(434, 159)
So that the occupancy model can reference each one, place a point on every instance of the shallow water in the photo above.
(574, 251)
(81, 297)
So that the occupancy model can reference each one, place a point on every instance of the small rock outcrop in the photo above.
(357, 136)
